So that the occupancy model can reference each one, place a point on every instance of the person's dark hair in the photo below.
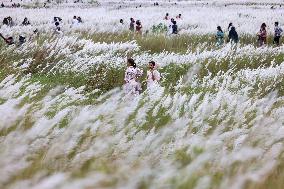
(121, 20)
(230, 24)
(138, 22)
(174, 22)
(56, 23)
(74, 17)
(263, 25)
(167, 14)
(22, 39)
(276, 23)
(219, 29)
(131, 62)
(152, 62)
(233, 28)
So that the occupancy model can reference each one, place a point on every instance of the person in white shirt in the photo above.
(75, 21)
(153, 76)
(132, 73)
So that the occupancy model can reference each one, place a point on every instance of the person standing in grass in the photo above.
(132, 73)
(132, 24)
(153, 76)
(262, 35)
(220, 36)
(277, 33)
(57, 29)
(138, 27)
(233, 35)
(174, 28)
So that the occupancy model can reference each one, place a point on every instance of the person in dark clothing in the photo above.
(2, 5)
(277, 33)
(26, 22)
(79, 20)
(233, 35)
(8, 21)
(132, 24)
(174, 28)
(22, 40)
(5, 21)
(57, 19)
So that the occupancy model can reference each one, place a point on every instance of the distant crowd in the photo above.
(136, 27)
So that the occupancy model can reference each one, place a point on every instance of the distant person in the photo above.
(9, 40)
(75, 21)
(57, 19)
(178, 16)
(153, 76)
(262, 35)
(22, 40)
(167, 17)
(26, 22)
(2, 5)
(138, 27)
(233, 35)
(277, 33)
(132, 73)
(8, 21)
(220, 36)
(79, 19)
(170, 30)
(132, 24)
(174, 28)
(5, 21)
(58, 29)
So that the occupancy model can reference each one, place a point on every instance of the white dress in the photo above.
(153, 78)
(132, 86)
